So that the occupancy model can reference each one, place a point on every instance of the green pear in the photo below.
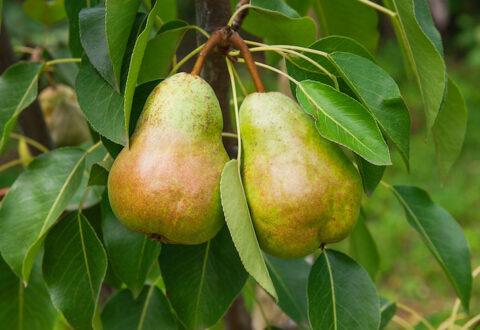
(301, 189)
(166, 185)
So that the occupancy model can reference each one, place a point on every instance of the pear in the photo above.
(301, 189)
(166, 185)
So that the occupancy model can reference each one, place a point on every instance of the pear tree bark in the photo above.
(212, 15)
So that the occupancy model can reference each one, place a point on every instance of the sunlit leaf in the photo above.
(343, 120)
(18, 88)
(380, 94)
(33, 204)
(239, 221)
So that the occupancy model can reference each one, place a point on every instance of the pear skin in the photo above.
(301, 189)
(166, 185)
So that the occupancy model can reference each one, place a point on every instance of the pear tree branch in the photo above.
(223, 39)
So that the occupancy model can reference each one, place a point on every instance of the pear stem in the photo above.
(238, 42)
(219, 38)
(223, 38)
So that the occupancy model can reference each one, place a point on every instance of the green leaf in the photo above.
(25, 308)
(424, 18)
(296, 69)
(150, 311)
(33, 204)
(387, 310)
(341, 295)
(202, 280)
(142, 92)
(275, 6)
(239, 221)
(363, 248)
(113, 148)
(72, 9)
(119, 18)
(380, 94)
(449, 128)
(94, 194)
(18, 88)
(442, 235)
(167, 10)
(99, 173)
(277, 23)
(301, 69)
(330, 45)
(94, 41)
(160, 51)
(137, 28)
(290, 277)
(130, 254)
(300, 6)
(343, 120)
(95, 93)
(46, 12)
(371, 174)
(426, 62)
(74, 266)
(135, 64)
(348, 18)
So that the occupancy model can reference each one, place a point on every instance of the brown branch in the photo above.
(222, 39)
(247, 56)
(212, 15)
(238, 20)
(218, 39)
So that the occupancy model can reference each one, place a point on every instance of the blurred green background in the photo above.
(408, 272)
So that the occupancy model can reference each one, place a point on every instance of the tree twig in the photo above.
(240, 15)
(219, 39)
(238, 42)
